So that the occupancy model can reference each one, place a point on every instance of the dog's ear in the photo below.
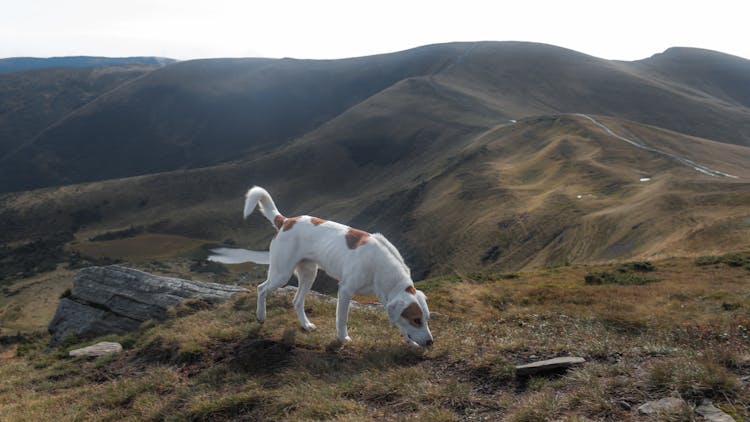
(422, 299)
(394, 309)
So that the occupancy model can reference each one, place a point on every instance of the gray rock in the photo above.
(115, 299)
(98, 349)
(665, 405)
(712, 413)
(548, 365)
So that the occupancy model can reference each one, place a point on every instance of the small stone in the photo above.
(712, 413)
(624, 405)
(548, 365)
(668, 404)
(98, 349)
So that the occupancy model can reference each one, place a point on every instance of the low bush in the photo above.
(623, 278)
(638, 266)
(730, 259)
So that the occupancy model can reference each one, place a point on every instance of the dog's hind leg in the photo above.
(276, 278)
(305, 272)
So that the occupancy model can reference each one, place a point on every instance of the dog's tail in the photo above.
(257, 196)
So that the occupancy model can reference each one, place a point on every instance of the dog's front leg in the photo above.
(342, 314)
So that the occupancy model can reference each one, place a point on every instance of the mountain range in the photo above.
(17, 64)
(491, 155)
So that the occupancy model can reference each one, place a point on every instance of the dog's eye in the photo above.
(418, 321)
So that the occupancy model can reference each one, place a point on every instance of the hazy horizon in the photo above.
(191, 29)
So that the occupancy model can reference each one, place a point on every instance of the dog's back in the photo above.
(338, 249)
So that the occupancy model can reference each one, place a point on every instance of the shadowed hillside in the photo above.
(31, 101)
(205, 112)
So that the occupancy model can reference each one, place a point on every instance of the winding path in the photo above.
(682, 160)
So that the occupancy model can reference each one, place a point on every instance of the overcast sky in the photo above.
(185, 29)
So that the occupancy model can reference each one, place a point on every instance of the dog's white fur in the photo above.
(364, 263)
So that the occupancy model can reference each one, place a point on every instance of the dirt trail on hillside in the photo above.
(682, 160)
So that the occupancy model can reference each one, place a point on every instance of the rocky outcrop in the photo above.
(115, 299)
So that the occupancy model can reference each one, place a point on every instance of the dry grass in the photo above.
(641, 342)
(144, 247)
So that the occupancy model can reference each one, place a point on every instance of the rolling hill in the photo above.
(31, 101)
(547, 190)
(491, 156)
(205, 112)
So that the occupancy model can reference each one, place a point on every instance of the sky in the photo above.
(321, 29)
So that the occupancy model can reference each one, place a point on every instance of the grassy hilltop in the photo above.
(680, 329)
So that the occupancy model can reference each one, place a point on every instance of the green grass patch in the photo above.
(435, 283)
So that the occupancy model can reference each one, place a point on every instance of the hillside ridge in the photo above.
(244, 107)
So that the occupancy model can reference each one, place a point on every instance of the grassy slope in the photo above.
(31, 101)
(684, 335)
(512, 189)
(166, 121)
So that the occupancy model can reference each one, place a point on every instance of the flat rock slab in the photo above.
(114, 300)
(98, 349)
(665, 405)
(548, 365)
(712, 413)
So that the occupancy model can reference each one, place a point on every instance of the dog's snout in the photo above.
(428, 342)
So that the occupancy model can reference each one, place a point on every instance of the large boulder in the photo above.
(115, 299)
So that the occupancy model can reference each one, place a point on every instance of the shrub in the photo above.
(623, 278)
(731, 259)
(707, 260)
(639, 266)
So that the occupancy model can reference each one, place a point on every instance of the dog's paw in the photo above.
(309, 326)
(346, 339)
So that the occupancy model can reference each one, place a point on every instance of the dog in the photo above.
(363, 263)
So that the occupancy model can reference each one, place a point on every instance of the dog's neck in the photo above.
(386, 295)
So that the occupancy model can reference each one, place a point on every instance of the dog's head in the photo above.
(408, 312)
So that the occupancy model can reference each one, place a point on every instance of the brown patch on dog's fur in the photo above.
(412, 313)
(317, 221)
(411, 290)
(278, 221)
(356, 238)
(289, 223)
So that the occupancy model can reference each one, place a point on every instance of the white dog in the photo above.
(363, 263)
